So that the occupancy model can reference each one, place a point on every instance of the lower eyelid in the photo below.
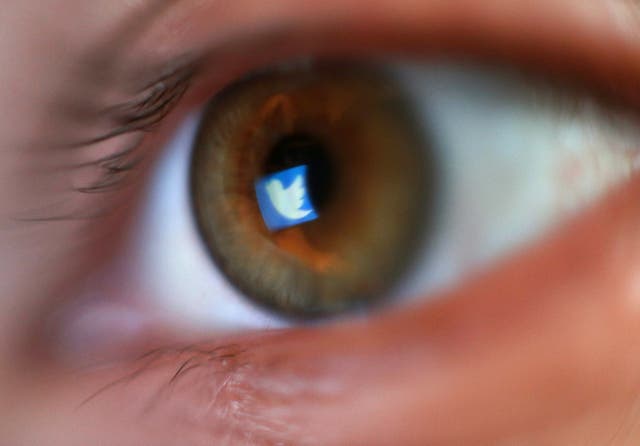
(475, 366)
(202, 392)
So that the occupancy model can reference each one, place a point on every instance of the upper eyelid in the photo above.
(227, 389)
(157, 94)
(114, 89)
(179, 60)
(567, 59)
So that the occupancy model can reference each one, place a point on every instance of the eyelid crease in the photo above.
(160, 357)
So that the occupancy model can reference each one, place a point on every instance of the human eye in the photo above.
(519, 257)
(433, 169)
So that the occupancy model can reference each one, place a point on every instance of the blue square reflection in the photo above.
(284, 200)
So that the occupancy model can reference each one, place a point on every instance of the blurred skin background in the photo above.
(543, 347)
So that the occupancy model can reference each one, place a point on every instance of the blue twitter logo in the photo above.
(283, 199)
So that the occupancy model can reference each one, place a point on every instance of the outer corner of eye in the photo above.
(309, 191)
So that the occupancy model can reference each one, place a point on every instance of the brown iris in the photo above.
(369, 179)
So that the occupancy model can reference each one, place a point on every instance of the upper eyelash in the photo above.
(140, 114)
(150, 106)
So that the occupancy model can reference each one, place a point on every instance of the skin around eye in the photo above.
(541, 350)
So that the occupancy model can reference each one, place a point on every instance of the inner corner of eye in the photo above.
(317, 187)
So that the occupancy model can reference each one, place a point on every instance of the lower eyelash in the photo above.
(227, 357)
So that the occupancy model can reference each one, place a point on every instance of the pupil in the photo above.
(300, 149)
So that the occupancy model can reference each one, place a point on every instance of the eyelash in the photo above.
(115, 169)
(135, 117)
(143, 113)
(150, 106)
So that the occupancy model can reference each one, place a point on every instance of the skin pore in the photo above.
(542, 349)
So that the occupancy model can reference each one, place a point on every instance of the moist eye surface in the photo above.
(339, 143)
(493, 157)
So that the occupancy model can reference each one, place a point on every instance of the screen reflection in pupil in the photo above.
(368, 174)
(306, 150)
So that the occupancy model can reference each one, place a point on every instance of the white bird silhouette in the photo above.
(288, 202)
